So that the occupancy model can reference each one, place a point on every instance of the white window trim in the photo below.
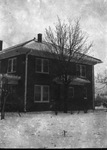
(73, 90)
(42, 66)
(41, 94)
(12, 59)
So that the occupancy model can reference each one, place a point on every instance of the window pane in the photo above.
(78, 70)
(14, 64)
(37, 93)
(9, 65)
(83, 71)
(45, 65)
(45, 93)
(39, 65)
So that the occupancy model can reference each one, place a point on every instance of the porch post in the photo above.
(93, 87)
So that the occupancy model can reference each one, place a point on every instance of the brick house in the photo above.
(34, 67)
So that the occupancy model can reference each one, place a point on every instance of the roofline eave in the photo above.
(21, 49)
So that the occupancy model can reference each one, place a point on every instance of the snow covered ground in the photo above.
(46, 130)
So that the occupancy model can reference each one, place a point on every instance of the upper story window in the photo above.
(12, 65)
(42, 65)
(81, 70)
(41, 93)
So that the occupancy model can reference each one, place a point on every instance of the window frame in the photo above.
(42, 66)
(14, 65)
(42, 101)
(11, 65)
(81, 70)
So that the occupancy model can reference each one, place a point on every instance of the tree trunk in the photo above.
(2, 105)
(3, 102)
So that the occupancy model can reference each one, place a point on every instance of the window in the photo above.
(81, 70)
(70, 92)
(78, 70)
(41, 93)
(45, 93)
(38, 65)
(42, 65)
(12, 65)
(9, 65)
(45, 65)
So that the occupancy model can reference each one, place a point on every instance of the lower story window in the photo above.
(41, 93)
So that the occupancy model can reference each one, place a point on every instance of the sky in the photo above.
(22, 20)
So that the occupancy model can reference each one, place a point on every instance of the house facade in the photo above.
(36, 88)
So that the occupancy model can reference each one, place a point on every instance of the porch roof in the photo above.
(75, 81)
(79, 81)
(11, 79)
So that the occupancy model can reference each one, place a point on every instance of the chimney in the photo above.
(1, 43)
(39, 37)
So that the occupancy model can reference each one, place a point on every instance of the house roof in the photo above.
(41, 50)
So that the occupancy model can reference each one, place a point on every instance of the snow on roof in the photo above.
(39, 49)
(11, 79)
(80, 80)
(74, 81)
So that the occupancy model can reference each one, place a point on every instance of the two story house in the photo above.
(31, 76)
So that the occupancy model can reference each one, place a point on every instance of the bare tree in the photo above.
(102, 77)
(67, 42)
